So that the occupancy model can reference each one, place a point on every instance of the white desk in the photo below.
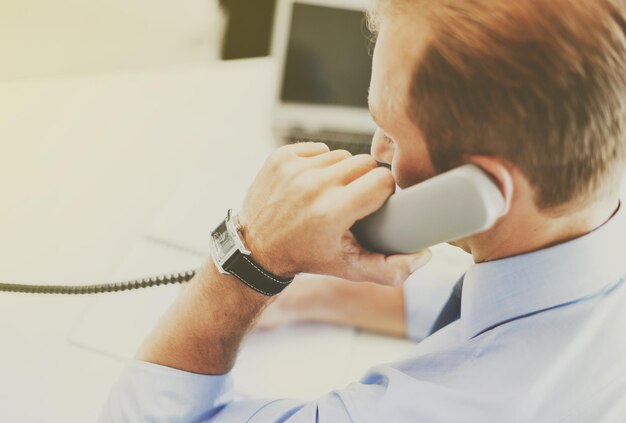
(89, 166)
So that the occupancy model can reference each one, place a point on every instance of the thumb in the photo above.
(389, 270)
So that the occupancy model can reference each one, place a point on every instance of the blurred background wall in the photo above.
(41, 38)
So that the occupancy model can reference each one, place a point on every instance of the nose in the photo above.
(382, 149)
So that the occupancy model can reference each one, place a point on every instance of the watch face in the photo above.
(223, 241)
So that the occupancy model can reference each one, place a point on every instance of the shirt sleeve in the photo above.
(427, 290)
(149, 392)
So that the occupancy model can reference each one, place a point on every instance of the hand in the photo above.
(325, 299)
(299, 210)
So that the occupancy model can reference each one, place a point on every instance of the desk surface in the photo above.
(90, 169)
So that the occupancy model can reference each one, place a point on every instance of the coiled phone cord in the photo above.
(98, 288)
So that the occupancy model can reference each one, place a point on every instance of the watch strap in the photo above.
(254, 276)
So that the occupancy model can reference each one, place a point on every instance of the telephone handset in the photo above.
(455, 204)
(461, 202)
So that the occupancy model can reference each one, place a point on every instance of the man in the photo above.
(533, 92)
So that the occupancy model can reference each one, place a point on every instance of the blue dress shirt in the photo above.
(541, 338)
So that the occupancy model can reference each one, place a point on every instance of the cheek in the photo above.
(404, 171)
(410, 169)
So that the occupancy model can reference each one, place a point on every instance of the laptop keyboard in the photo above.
(355, 143)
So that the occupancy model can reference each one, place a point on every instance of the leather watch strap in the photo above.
(247, 271)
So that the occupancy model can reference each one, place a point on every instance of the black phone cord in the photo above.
(98, 288)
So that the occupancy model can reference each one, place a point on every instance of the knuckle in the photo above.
(343, 154)
(309, 146)
(283, 164)
(282, 151)
(325, 206)
(320, 212)
(323, 145)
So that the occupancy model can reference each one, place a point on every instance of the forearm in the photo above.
(296, 218)
(203, 329)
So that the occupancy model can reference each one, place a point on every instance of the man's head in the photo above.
(533, 91)
(534, 86)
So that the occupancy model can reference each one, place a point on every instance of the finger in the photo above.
(330, 158)
(352, 168)
(389, 270)
(307, 149)
(366, 194)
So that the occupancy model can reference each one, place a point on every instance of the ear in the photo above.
(500, 173)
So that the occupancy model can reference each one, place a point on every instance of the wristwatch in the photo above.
(232, 258)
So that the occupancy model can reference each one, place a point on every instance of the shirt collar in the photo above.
(499, 291)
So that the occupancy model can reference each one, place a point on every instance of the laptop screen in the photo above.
(328, 58)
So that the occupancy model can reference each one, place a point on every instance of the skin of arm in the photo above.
(295, 218)
(326, 299)
(202, 330)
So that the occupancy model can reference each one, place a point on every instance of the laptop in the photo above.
(323, 49)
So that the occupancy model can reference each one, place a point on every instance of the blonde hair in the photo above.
(540, 83)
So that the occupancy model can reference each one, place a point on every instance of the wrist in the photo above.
(267, 259)
(232, 256)
(211, 281)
